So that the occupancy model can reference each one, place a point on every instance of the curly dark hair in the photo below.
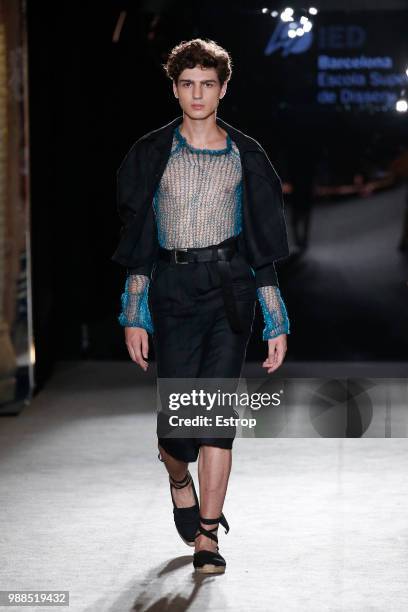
(198, 51)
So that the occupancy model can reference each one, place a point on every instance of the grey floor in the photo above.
(317, 524)
(347, 294)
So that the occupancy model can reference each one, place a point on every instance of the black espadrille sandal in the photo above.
(207, 561)
(187, 520)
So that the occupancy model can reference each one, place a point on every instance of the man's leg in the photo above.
(223, 359)
(184, 498)
(214, 467)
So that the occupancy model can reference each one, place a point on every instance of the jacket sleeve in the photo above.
(270, 244)
(138, 242)
(134, 301)
(264, 224)
(130, 183)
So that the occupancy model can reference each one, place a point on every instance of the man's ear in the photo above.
(175, 89)
(223, 90)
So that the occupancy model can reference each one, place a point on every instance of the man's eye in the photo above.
(186, 84)
(210, 84)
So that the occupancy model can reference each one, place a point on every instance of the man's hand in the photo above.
(276, 353)
(137, 343)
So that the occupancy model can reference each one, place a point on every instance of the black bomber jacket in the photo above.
(263, 239)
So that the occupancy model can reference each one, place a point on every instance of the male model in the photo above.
(203, 223)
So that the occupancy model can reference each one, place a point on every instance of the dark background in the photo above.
(91, 98)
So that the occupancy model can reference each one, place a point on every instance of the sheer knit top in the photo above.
(197, 203)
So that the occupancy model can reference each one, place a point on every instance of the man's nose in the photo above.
(197, 93)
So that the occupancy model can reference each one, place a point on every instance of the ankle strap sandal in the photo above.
(208, 561)
(187, 520)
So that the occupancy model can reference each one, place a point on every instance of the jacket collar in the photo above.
(161, 138)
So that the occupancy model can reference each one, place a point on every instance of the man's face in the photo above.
(199, 91)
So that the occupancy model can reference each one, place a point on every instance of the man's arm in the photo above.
(274, 312)
(272, 305)
(134, 300)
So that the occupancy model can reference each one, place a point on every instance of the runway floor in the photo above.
(347, 294)
(317, 524)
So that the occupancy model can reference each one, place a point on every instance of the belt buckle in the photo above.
(175, 257)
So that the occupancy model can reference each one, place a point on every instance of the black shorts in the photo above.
(192, 336)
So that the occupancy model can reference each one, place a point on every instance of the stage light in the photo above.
(304, 20)
(287, 14)
(118, 27)
(300, 32)
(313, 10)
(264, 10)
(274, 13)
(401, 106)
(308, 26)
(292, 33)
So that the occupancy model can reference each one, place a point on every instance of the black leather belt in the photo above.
(220, 254)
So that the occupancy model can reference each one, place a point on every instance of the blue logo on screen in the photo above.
(280, 39)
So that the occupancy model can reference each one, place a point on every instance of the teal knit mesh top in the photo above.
(198, 202)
